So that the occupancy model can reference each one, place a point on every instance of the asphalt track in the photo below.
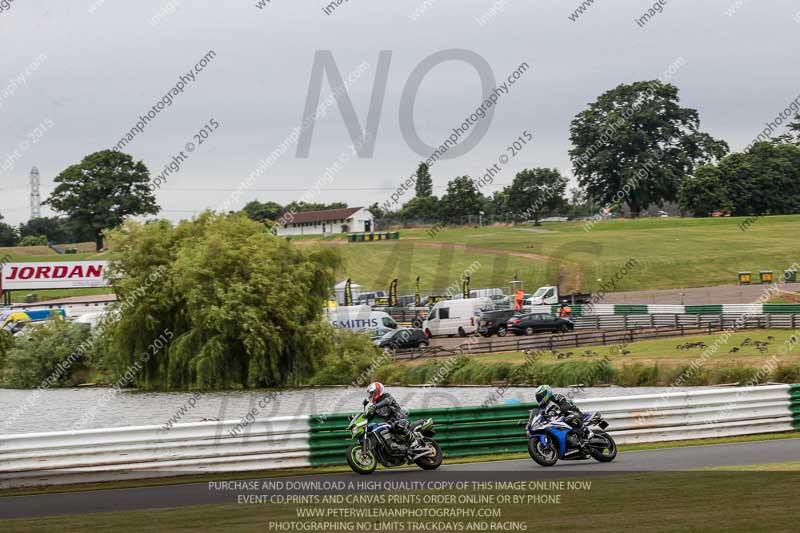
(664, 460)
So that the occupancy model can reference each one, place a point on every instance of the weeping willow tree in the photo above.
(241, 306)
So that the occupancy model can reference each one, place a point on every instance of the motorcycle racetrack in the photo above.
(776, 455)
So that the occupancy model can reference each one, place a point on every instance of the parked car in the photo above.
(453, 317)
(538, 322)
(494, 322)
(403, 339)
(375, 333)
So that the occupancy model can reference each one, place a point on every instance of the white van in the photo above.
(357, 317)
(455, 317)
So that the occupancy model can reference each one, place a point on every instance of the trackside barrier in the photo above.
(625, 330)
(315, 440)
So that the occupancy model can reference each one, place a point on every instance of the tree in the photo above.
(57, 230)
(312, 206)
(260, 212)
(794, 130)
(463, 199)
(762, 181)
(703, 193)
(243, 307)
(420, 209)
(103, 190)
(535, 192)
(8, 235)
(424, 184)
(636, 144)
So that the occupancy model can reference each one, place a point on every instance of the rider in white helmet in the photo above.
(384, 405)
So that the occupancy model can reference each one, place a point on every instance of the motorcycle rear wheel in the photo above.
(544, 455)
(431, 462)
(360, 463)
(600, 454)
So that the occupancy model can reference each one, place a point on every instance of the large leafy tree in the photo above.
(103, 190)
(243, 306)
(420, 209)
(636, 144)
(260, 212)
(463, 199)
(58, 230)
(424, 184)
(535, 192)
(764, 180)
(704, 193)
(8, 235)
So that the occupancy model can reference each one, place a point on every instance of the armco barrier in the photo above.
(314, 440)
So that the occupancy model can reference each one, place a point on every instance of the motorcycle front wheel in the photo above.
(604, 454)
(544, 454)
(360, 462)
(432, 461)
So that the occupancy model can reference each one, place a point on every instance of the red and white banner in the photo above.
(54, 275)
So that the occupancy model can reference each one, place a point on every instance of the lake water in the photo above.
(25, 411)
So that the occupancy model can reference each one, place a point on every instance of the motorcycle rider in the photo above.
(384, 405)
(573, 417)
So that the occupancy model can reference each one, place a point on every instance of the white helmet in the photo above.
(374, 391)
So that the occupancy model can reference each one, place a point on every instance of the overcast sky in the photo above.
(103, 63)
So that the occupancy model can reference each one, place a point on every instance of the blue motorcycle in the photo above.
(551, 439)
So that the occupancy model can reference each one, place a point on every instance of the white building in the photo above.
(327, 222)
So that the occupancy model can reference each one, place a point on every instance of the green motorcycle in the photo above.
(377, 444)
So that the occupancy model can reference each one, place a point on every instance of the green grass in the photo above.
(792, 466)
(670, 501)
(672, 253)
(656, 362)
(666, 352)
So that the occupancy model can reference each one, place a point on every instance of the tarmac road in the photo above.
(669, 459)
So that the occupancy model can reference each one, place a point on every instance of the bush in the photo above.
(33, 240)
(352, 360)
(52, 354)
(787, 374)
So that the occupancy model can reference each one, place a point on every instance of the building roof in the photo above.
(323, 216)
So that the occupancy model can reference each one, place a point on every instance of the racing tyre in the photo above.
(360, 463)
(417, 323)
(433, 461)
(422, 346)
(543, 454)
(529, 331)
(605, 454)
(502, 331)
(461, 332)
(563, 328)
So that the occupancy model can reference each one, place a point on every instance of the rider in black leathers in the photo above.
(385, 406)
(548, 400)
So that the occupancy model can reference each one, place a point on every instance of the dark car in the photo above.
(538, 322)
(403, 339)
(494, 322)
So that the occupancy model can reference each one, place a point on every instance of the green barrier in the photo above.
(781, 308)
(713, 309)
(630, 309)
(460, 431)
(794, 405)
